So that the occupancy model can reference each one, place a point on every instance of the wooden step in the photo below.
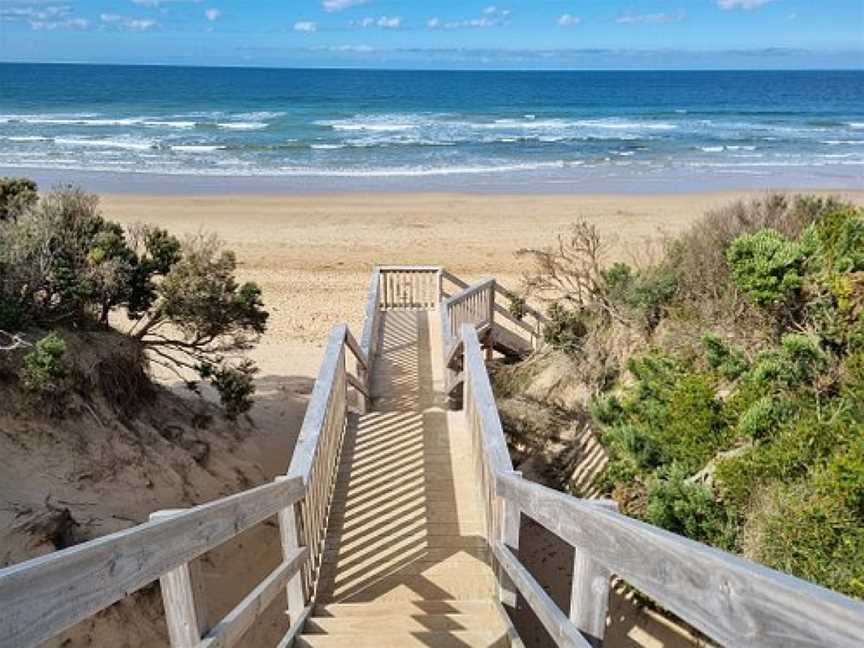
(404, 623)
(400, 587)
(406, 608)
(459, 639)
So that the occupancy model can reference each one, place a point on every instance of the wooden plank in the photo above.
(294, 631)
(44, 596)
(471, 291)
(483, 402)
(183, 598)
(289, 535)
(230, 630)
(454, 279)
(372, 315)
(528, 309)
(316, 410)
(409, 268)
(351, 343)
(559, 627)
(506, 314)
(589, 591)
(734, 601)
(357, 384)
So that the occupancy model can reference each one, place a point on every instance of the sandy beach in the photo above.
(312, 254)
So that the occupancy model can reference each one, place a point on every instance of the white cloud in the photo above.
(651, 19)
(212, 14)
(44, 17)
(492, 17)
(747, 5)
(306, 26)
(127, 22)
(383, 22)
(155, 4)
(332, 6)
(568, 20)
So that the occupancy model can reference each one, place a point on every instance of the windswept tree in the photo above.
(63, 265)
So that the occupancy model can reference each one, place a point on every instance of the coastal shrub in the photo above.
(810, 534)
(517, 308)
(740, 419)
(765, 266)
(641, 294)
(729, 361)
(565, 329)
(45, 367)
(686, 508)
(235, 385)
(17, 195)
(62, 264)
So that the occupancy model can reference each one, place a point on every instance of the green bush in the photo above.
(642, 294)
(728, 361)
(235, 385)
(565, 329)
(686, 508)
(17, 195)
(808, 534)
(44, 367)
(765, 266)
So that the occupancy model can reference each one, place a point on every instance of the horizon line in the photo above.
(265, 66)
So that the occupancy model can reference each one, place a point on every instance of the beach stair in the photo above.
(400, 517)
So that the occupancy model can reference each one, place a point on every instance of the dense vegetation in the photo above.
(65, 268)
(729, 379)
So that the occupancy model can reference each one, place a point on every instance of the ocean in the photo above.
(181, 129)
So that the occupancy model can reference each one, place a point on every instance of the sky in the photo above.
(520, 34)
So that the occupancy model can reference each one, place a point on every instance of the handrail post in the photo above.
(183, 598)
(510, 523)
(289, 533)
(589, 593)
(439, 282)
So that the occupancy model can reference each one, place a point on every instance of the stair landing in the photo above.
(406, 562)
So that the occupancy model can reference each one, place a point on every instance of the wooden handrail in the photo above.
(734, 601)
(42, 597)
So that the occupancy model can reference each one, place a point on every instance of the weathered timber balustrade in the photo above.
(42, 597)
(732, 600)
(417, 287)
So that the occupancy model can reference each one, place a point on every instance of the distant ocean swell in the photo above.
(262, 125)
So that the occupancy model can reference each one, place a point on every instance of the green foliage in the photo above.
(810, 534)
(686, 508)
(765, 266)
(763, 456)
(44, 367)
(17, 195)
(63, 264)
(728, 361)
(517, 308)
(565, 329)
(668, 415)
(235, 385)
(642, 294)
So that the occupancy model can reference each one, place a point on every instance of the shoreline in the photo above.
(572, 181)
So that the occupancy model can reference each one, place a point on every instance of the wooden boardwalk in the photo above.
(400, 526)
(406, 552)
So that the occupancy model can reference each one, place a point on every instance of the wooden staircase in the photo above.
(400, 518)
(406, 562)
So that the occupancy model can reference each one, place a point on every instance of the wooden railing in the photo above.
(729, 599)
(42, 597)
(410, 287)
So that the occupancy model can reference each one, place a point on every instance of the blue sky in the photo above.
(439, 33)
